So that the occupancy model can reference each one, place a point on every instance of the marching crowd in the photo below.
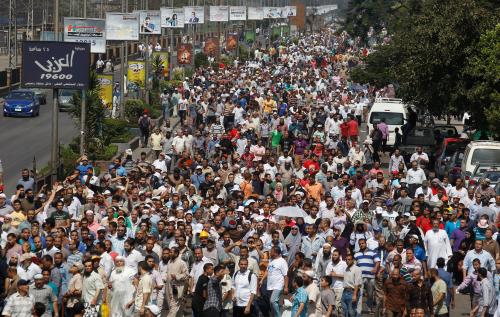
(198, 223)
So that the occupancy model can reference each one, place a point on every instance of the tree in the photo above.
(485, 68)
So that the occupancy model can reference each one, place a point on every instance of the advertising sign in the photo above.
(150, 22)
(255, 13)
(172, 17)
(231, 42)
(164, 61)
(106, 89)
(122, 26)
(211, 46)
(194, 15)
(136, 73)
(184, 54)
(55, 65)
(219, 13)
(290, 11)
(91, 31)
(273, 13)
(237, 13)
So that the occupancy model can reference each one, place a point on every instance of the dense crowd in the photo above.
(362, 229)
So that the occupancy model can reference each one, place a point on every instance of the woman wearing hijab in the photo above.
(293, 242)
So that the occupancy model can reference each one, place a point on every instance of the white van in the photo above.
(480, 152)
(394, 112)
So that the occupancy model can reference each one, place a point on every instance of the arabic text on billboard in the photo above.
(136, 73)
(237, 13)
(91, 31)
(172, 17)
(122, 26)
(55, 65)
(106, 89)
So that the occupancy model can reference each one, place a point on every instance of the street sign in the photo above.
(55, 65)
(91, 31)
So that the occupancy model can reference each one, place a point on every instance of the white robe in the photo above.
(437, 245)
(122, 292)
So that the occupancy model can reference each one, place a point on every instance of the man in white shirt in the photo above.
(336, 269)
(415, 177)
(162, 162)
(459, 190)
(197, 268)
(131, 255)
(419, 156)
(277, 279)
(244, 289)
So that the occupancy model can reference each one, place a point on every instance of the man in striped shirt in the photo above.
(369, 262)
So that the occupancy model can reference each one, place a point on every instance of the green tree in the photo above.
(485, 68)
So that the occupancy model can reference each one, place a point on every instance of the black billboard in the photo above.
(55, 65)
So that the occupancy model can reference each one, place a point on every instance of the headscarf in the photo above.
(293, 243)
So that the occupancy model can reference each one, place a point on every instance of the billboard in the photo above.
(164, 61)
(231, 42)
(219, 13)
(106, 89)
(250, 36)
(150, 22)
(255, 13)
(172, 17)
(273, 13)
(194, 15)
(55, 65)
(122, 26)
(211, 47)
(290, 11)
(91, 31)
(237, 13)
(136, 73)
(184, 54)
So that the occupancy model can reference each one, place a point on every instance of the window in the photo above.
(486, 156)
(391, 118)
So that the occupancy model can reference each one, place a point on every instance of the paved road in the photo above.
(21, 139)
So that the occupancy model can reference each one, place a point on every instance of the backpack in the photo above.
(249, 275)
(144, 123)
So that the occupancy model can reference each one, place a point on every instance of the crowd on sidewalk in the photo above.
(279, 133)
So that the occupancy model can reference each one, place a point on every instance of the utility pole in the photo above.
(12, 35)
(83, 115)
(55, 110)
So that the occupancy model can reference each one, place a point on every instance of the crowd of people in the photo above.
(197, 225)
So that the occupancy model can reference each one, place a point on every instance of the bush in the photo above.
(200, 60)
(170, 85)
(178, 73)
(107, 153)
(134, 108)
(116, 131)
(68, 159)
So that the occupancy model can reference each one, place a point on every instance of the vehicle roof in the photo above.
(389, 106)
(483, 143)
(447, 141)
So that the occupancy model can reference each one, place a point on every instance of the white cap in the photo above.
(379, 210)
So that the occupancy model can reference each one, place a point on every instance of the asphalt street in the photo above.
(21, 139)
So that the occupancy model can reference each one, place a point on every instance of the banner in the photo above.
(106, 89)
(250, 36)
(91, 31)
(211, 46)
(290, 11)
(255, 13)
(237, 13)
(55, 65)
(184, 54)
(231, 42)
(122, 26)
(164, 61)
(219, 13)
(172, 17)
(150, 22)
(273, 13)
(194, 15)
(136, 73)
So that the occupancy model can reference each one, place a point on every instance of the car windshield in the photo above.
(485, 156)
(494, 176)
(20, 95)
(391, 118)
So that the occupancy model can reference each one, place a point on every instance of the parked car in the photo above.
(21, 103)
(493, 175)
(497, 188)
(481, 171)
(480, 152)
(65, 99)
(419, 136)
(445, 131)
(393, 111)
(444, 152)
(41, 94)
